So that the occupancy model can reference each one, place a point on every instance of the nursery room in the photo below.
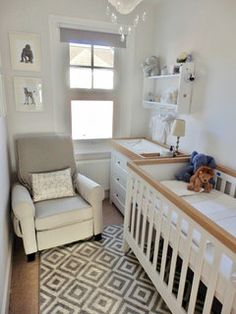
(117, 160)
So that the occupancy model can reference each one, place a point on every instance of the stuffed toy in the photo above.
(151, 66)
(201, 179)
(196, 161)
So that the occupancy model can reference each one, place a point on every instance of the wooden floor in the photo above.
(25, 276)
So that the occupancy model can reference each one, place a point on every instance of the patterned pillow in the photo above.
(49, 185)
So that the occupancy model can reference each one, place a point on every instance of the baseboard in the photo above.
(6, 295)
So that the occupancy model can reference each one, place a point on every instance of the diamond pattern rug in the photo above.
(96, 278)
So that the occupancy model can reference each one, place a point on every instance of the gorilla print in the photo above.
(25, 51)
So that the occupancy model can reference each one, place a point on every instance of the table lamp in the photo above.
(178, 130)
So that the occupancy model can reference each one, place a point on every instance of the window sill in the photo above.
(92, 149)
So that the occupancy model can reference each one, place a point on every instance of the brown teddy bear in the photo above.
(201, 179)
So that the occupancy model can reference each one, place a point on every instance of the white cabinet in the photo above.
(118, 180)
(156, 90)
(125, 150)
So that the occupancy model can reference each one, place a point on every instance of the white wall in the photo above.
(33, 16)
(5, 243)
(206, 28)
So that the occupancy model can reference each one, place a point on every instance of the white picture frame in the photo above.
(25, 51)
(28, 94)
(3, 107)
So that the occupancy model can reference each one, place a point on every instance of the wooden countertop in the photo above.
(144, 156)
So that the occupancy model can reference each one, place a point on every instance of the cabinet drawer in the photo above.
(119, 178)
(118, 193)
(119, 161)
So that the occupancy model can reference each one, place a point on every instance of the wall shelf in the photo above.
(163, 76)
(157, 86)
(159, 105)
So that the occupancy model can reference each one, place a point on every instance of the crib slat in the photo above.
(151, 217)
(166, 235)
(185, 265)
(158, 223)
(197, 274)
(175, 248)
(232, 189)
(223, 185)
(212, 282)
(128, 202)
(135, 192)
(144, 212)
(228, 300)
(140, 203)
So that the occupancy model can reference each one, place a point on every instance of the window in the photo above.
(91, 119)
(91, 67)
(91, 87)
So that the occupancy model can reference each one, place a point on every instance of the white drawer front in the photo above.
(119, 178)
(119, 193)
(119, 161)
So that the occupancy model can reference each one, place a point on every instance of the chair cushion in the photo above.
(55, 213)
(43, 153)
(50, 185)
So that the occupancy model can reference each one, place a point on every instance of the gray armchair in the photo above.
(50, 223)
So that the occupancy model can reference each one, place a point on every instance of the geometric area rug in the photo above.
(90, 277)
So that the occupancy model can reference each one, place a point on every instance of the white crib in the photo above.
(192, 277)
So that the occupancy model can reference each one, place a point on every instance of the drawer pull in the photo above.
(117, 179)
(117, 195)
(118, 162)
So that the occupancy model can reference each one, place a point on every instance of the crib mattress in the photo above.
(219, 207)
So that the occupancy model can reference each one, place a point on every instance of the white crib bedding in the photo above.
(219, 207)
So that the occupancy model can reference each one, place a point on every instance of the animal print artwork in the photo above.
(27, 54)
(29, 97)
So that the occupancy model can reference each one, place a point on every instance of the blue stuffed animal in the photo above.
(196, 161)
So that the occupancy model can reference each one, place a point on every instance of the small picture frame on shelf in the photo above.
(3, 110)
(25, 51)
(28, 94)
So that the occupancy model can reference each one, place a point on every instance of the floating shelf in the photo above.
(162, 76)
(158, 85)
(158, 105)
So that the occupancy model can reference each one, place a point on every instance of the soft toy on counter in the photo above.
(201, 179)
(196, 161)
(151, 66)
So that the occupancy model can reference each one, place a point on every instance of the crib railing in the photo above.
(191, 268)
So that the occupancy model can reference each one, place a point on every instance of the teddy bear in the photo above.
(151, 66)
(196, 160)
(201, 179)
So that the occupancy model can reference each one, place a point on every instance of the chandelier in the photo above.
(124, 7)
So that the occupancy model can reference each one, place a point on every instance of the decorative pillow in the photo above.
(49, 185)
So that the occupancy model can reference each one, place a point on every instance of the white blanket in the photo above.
(219, 207)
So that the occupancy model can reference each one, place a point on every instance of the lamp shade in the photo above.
(125, 6)
(178, 128)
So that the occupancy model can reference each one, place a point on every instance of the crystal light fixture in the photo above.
(124, 7)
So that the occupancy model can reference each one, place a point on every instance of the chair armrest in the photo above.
(22, 204)
(91, 191)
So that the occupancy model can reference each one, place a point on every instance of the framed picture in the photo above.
(3, 107)
(28, 94)
(25, 51)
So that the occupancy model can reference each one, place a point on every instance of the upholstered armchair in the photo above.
(53, 222)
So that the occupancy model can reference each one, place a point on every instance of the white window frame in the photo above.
(55, 22)
(94, 67)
